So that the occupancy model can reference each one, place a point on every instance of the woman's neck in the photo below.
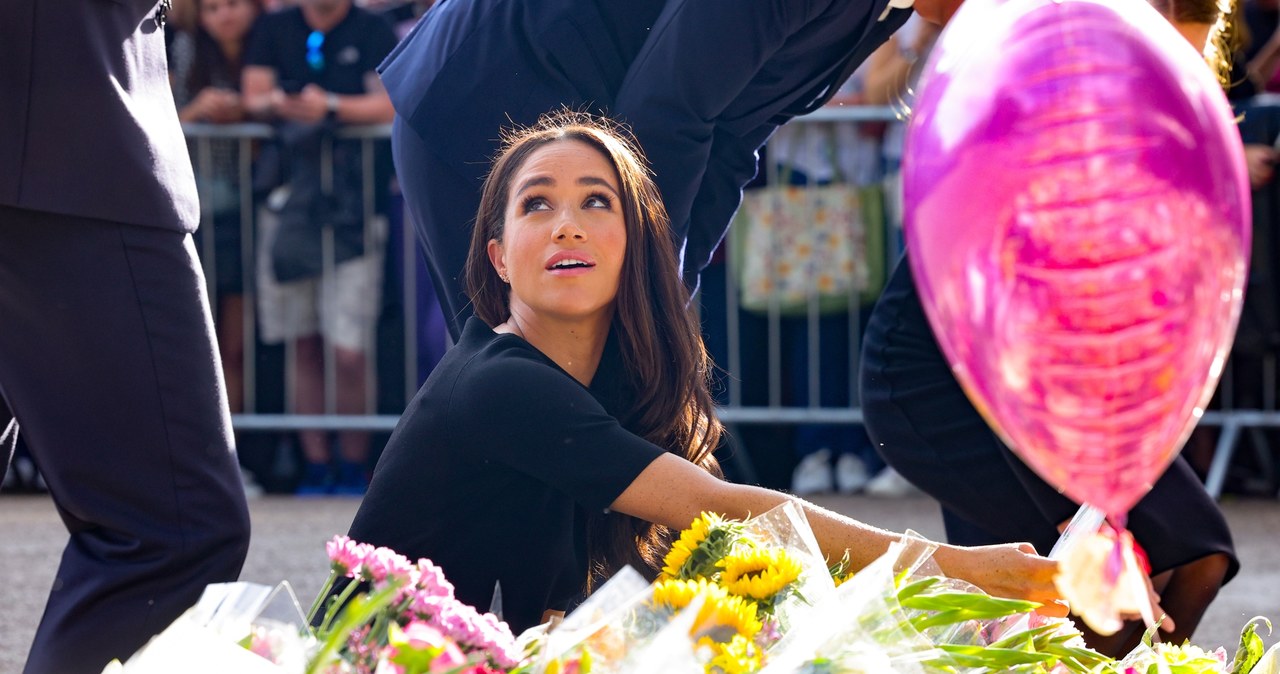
(575, 345)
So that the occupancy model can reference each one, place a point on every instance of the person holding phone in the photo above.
(312, 68)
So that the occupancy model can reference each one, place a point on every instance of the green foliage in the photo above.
(1251, 647)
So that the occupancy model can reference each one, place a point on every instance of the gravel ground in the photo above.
(289, 535)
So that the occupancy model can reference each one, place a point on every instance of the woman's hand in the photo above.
(1013, 571)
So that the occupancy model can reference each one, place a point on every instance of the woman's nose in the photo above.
(568, 227)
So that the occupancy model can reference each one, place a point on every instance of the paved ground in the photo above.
(289, 536)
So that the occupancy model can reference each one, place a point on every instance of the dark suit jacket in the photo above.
(715, 80)
(87, 120)
(473, 67)
(704, 82)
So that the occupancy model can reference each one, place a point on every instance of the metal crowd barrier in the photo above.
(1233, 422)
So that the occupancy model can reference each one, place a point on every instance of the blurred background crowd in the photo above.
(323, 307)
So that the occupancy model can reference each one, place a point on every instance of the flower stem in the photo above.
(324, 592)
(338, 603)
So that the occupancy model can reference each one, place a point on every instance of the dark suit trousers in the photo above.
(441, 201)
(108, 363)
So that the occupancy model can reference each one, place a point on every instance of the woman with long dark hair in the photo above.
(521, 462)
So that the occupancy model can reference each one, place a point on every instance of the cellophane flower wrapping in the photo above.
(858, 627)
(234, 627)
(727, 592)
(786, 528)
(599, 632)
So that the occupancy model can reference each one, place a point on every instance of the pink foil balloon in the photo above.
(1077, 212)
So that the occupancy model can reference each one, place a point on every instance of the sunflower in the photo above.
(709, 538)
(720, 610)
(739, 655)
(759, 573)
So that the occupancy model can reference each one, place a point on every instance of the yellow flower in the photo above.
(719, 608)
(759, 573)
(739, 655)
(707, 539)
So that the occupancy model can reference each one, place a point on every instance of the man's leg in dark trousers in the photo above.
(107, 361)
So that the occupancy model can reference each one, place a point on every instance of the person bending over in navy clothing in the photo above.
(505, 448)
(702, 83)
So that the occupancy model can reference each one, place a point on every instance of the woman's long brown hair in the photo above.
(666, 363)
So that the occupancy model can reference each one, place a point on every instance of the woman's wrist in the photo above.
(955, 561)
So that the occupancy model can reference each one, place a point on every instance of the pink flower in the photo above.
(449, 658)
(419, 644)
(469, 628)
(421, 635)
(345, 555)
(431, 580)
(385, 565)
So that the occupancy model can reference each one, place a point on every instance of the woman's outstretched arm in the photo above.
(672, 492)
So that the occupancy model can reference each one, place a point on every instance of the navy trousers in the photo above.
(108, 364)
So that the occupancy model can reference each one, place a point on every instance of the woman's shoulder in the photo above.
(489, 381)
(489, 362)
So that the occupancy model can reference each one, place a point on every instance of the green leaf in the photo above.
(994, 607)
(916, 587)
(359, 611)
(1251, 647)
(991, 658)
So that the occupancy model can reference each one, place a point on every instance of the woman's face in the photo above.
(228, 20)
(564, 237)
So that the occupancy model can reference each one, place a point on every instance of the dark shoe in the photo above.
(352, 479)
(315, 481)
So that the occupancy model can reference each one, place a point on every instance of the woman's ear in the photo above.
(496, 254)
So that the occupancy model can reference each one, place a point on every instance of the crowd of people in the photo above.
(566, 283)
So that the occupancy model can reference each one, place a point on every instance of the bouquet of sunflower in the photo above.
(727, 592)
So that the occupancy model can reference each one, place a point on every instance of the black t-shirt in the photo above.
(351, 50)
(492, 471)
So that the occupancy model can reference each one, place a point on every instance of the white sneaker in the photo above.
(851, 474)
(890, 484)
(812, 474)
(251, 487)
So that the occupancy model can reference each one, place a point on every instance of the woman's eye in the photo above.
(598, 201)
(532, 204)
